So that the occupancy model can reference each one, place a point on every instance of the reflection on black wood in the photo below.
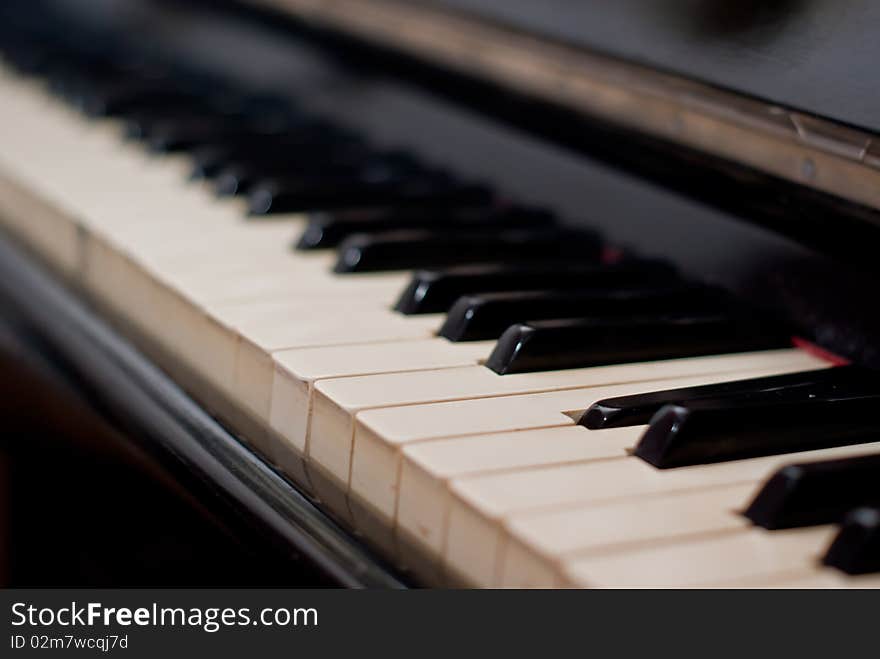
(759, 20)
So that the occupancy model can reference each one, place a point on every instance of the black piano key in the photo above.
(581, 343)
(269, 103)
(811, 493)
(637, 410)
(259, 109)
(368, 189)
(705, 431)
(229, 124)
(433, 291)
(320, 161)
(406, 250)
(128, 97)
(142, 124)
(488, 315)
(72, 82)
(315, 144)
(185, 133)
(32, 58)
(856, 548)
(329, 229)
(89, 84)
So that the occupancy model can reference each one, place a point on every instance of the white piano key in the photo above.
(43, 223)
(422, 497)
(475, 532)
(298, 326)
(284, 282)
(725, 558)
(375, 490)
(539, 544)
(336, 401)
(297, 370)
(40, 226)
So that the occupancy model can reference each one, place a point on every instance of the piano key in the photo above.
(419, 492)
(260, 103)
(29, 58)
(806, 494)
(706, 431)
(404, 250)
(638, 410)
(155, 121)
(286, 326)
(475, 529)
(255, 272)
(212, 250)
(856, 548)
(359, 393)
(126, 96)
(76, 84)
(329, 229)
(181, 134)
(291, 196)
(315, 143)
(295, 372)
(213, 343)
(541, 543)
(488, 315)
(240, 177)
(720, 560)
(381, 434)
(554, 344)
(432, 291)
(225, 360)
(336, 401)
(246, 285)
(39, 165)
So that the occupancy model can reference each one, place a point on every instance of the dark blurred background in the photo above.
(82, 506)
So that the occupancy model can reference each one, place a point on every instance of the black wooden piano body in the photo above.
(752, 164)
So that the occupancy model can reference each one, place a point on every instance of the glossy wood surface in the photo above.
(818, 56)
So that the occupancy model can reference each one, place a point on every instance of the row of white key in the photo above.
(362, 404)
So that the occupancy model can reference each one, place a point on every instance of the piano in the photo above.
(451, 294)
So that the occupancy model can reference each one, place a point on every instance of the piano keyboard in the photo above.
(489, 420)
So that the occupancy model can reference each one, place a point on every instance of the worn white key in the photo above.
(719, 560)
(285, 282)
(299, 326)
(43, 223)
(213, 328)
(422, 494)
(375, 491)
(297, 370)
(474, 530)
(540, 544)
(336, 401)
